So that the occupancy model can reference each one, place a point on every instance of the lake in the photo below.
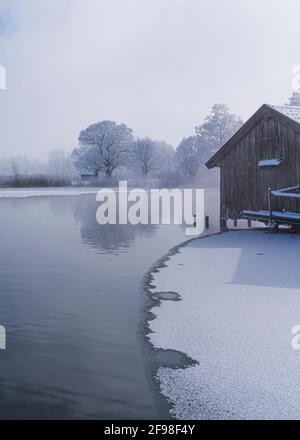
(71, 299)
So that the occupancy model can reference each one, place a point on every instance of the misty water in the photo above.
(71, 296)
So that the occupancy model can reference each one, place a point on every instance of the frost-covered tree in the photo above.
(87, 158)
(150, 158)
(164, 160)
(218, 127)
(188, 157)
(191, 153)
(143, 155)
(102, 147)
(294, 99)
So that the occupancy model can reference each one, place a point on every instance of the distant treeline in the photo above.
(37, 180)
(108, 152)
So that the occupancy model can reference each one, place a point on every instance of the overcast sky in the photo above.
(157, 65)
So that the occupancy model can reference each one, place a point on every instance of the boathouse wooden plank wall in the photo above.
(244, 185)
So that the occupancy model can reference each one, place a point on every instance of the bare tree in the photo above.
(143, 155)
(19, 165)
(14, 166)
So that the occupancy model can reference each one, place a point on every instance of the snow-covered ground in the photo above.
(240, 298)
(40, 192)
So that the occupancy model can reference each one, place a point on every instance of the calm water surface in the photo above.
(70, 298)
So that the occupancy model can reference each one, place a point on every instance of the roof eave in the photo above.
(214, 161)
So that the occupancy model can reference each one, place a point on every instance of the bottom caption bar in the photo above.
(136, 430)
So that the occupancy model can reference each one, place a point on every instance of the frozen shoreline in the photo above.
(240, 296)
(44, 192)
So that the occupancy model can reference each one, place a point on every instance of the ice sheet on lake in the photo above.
(240, 298)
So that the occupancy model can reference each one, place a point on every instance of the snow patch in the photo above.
(240, 298)
(43, 192)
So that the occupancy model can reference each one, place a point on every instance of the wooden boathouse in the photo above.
(260, 168)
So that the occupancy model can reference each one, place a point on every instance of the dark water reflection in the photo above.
(108, 238)
(70, 294)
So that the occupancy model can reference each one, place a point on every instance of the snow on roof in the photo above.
(279, 215)
(286, 194)
(291, 111)
(269, 163)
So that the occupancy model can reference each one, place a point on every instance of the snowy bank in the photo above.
(43, 192)
(240, 298)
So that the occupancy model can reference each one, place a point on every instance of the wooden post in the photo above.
(270, 203)
(207, 222)
(223, 224)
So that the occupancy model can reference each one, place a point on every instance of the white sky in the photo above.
(157, 65)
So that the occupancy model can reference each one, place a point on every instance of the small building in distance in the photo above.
(87, 177)
(260, 167)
